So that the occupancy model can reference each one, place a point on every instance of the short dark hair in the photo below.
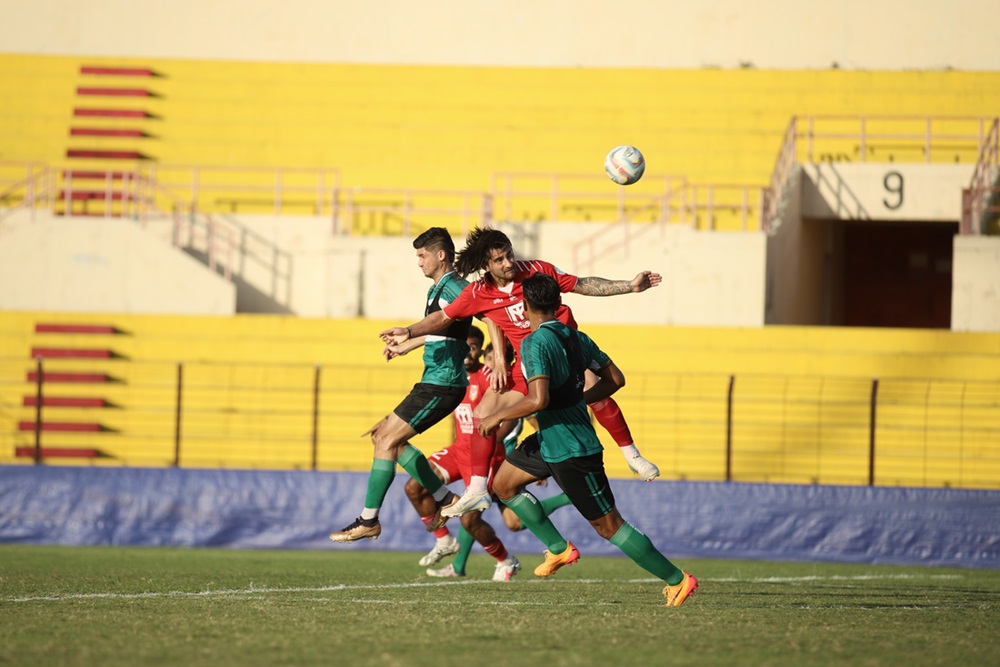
(541, 292)
(434, 239)
(477, 334)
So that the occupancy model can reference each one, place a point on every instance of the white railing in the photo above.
(531, 197)
(980, 197)
(121, 194)
(891, 138)
(882, 138)
(695, 205)
(402, 211)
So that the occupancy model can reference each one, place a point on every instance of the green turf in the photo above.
(129, 606)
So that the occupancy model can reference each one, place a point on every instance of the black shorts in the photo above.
(582, 479)
(427, 404)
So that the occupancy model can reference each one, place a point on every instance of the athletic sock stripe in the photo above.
(595, 491)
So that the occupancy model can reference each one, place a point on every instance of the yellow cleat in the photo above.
(555, 561)
(677, 594)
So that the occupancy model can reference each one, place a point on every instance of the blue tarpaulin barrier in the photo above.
(297, 510)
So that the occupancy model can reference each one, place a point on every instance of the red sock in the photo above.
(481, 450)
(440, 532)
(611, 418)
(497, 549)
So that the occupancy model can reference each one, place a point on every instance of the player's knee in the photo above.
(503, 489)
(608, 524)
(413, 489)
(471, 521)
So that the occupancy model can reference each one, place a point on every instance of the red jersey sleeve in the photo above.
(464, 304)
(567, 281)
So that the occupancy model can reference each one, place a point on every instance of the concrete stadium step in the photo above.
(65, 402)
(58, 452)
(72, 377)
(71, 353)
(45, 327)
(63, 427)
(105, 70)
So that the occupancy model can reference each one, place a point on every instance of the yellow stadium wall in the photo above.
(800, 397)
(453, 127)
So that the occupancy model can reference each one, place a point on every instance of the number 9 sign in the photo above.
(893, 183)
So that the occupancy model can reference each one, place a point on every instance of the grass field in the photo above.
(159, 606)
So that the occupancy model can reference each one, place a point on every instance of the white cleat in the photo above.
(469, 502)
(446, 572)
(646, 470)
(446, 546)
(506, 569)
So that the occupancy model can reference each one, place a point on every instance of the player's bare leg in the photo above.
(507, 565)
(610, 416)
(390, 438)
(426, 507)
(476, 497)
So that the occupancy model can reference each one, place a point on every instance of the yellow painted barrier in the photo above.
(776, 404)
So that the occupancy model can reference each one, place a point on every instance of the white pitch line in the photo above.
(252, 590)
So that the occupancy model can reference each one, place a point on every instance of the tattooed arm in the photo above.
(594, 286)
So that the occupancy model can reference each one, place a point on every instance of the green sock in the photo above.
(415, 464)
(465, 542)
(379, 481)
(552, 503)
(637, 546)
(529, 511)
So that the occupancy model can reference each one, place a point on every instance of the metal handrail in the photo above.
(808, 129)
(977, 196)
(682, 203)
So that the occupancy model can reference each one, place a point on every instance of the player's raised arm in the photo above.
(498, 377)
(609, 380)
(594, 286)
(537, 399)
(433, 323)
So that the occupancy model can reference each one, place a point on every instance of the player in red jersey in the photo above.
(498, 297)
(452, 463)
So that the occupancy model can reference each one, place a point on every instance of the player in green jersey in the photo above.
(566, 448)
(439, 392)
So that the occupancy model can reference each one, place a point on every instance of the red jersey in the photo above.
(505, 306)
(479, 384)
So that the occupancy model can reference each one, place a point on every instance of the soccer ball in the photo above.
(624, 165)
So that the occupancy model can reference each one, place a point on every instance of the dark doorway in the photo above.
(898, 274)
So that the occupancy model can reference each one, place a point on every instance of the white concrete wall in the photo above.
(794, 262)
(772, 34)
(975, 294)
(885, 191)
(98, 265)
(710, 278)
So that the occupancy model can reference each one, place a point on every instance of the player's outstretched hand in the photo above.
(645, 280)
(395, 335)
(393, 351)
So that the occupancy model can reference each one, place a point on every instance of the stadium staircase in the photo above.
(76, 376)
(111, 143)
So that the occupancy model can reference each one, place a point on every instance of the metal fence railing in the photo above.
(736, 427)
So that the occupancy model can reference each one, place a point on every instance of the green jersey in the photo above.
(445, 351)
(561, 354)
